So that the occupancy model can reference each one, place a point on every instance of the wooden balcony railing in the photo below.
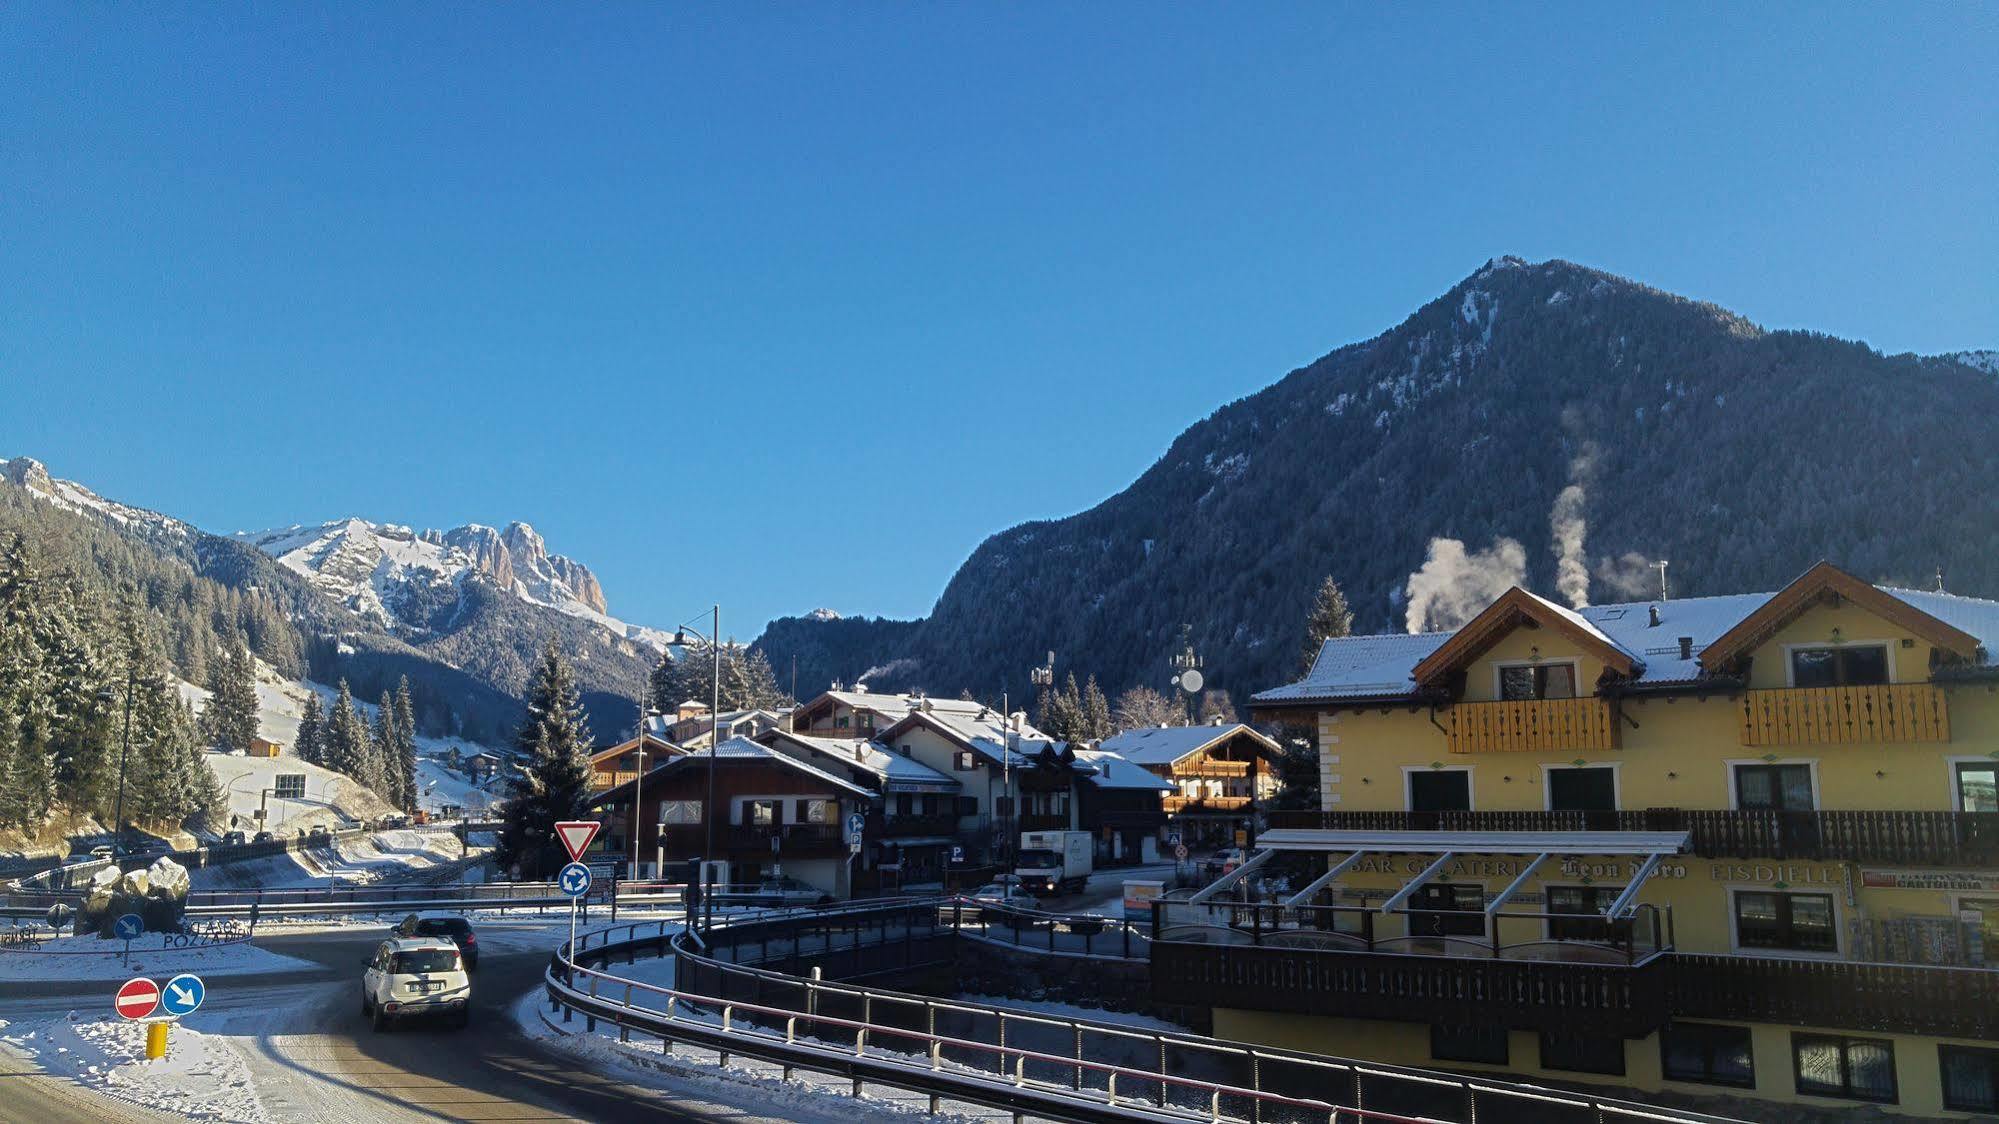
(1044, 821)
(1539, 724)
(1898, 998)
(1894, 712)
(795, 839)
(1913, 838)
(914, 824)
(1173, 805)
(1217, 770)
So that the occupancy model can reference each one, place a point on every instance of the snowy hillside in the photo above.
(280, 705)
(410, 580)
(30, 474)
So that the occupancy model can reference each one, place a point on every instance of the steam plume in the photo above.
(1567, 527)
(1632, 575)
(1453, 585)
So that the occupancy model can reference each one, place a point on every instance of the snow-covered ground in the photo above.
(330, 798)
(383, 856)
(88, 958)
(200, 1077)
(280, 706)
(807, 1096)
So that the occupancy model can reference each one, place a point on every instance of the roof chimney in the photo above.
(1686, 647)
(1652, 615)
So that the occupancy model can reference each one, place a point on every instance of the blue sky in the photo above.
(791, 306)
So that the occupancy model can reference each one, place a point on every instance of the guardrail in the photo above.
(999, 1057)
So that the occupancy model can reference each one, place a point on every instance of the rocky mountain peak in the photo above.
(29, 473)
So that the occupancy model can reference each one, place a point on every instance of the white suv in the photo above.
(415, 976)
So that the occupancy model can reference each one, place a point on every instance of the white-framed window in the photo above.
(1974, 783)
(1797, 923)
(1444, 789)
(1788, 784)
(672, 812)
(1858, 664)
(1540, 679)
(1581, 788)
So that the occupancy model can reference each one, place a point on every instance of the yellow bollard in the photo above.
(156, 1040)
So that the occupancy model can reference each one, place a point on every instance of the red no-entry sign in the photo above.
(137, 998)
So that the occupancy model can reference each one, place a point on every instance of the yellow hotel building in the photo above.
(1742, 846)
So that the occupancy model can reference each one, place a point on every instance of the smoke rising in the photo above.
(1567, 527)
(1453, 585)
(1633, 575)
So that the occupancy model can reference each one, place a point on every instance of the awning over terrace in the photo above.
(1649, 846)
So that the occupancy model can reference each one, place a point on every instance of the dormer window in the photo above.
(1857, 665)
(1537, 681)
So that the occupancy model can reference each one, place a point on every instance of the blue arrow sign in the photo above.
(182, 995)
(128, 927)
(574, 880)
(857, 825)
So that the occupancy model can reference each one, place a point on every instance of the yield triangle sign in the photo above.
(576, 836)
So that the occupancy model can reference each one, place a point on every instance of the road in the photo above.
(313, 1057)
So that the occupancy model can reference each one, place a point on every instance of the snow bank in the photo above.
(691, 1070)
(200, 1076)
(384, 856)
(87, 958)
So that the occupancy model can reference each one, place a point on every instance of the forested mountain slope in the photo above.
(1687, 433)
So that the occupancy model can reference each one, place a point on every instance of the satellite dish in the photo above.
(1190, 681)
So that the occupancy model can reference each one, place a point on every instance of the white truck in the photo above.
(1054, 862)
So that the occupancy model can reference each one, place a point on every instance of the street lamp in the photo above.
(714, 735)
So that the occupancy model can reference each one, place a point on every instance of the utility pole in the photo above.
(118, 817)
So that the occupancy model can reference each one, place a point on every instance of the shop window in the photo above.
(1588, 904)
(1469, 1044)
(1455, 910)
(1785, 922)
(1860, 665)
(1583, 1053)
(1970, 1078)
(1708, 1053)
(1855, 1069)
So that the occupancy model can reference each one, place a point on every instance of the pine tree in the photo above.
(1096, 713)
(405, 754)
(1062, 715)
(1330, 618)
(229, 718)
(384, 772)
(346, 746)
(747, 680)
(311, 747)
(555, 784)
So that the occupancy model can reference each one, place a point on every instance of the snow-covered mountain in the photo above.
(410, 581)
(33, 476)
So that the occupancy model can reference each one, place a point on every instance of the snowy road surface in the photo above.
(293, 1046)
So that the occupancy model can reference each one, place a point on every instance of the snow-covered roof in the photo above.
(741, 749)
(895, 770)
(896, 705)
(986, 733)
(1367, 667)
(1113, 770)
(1163, 745)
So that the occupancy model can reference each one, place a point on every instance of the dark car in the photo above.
(447, 926)
(232, 838)
(263, 837)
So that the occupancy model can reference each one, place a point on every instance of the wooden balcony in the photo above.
(910, 826)
(1906, 838)
(1044, 821)
(796, 840)
(1538, 724)
(1895, 712)
(1193, 805)
(1898, 998)
(1213, 770)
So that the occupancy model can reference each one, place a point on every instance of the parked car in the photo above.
(1220, 863)
(444, 926)
(103, 851)
(263, 837)
(414, 977)
(1005, 890)
(318, 834)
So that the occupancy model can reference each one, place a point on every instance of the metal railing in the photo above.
(1914, 837)
(1000, 1057)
